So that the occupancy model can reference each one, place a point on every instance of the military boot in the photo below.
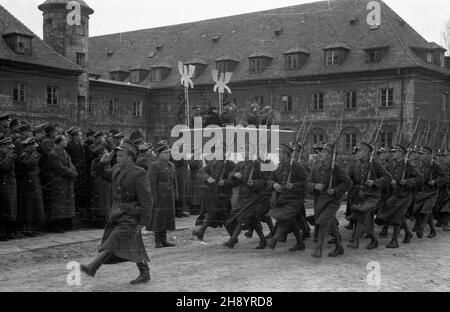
(164, 240)
(144, 274)
(394, 241)
(317, 253)
(300, 241)
(92, 268)
(158, 240)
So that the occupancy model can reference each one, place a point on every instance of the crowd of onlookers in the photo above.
(48, 178)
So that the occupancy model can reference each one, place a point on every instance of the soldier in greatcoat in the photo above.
(442, 208)
(77, 155)
(8, 188)
(427, 195)
(253, 199)
(61, 196)
(384, 157)
(163, 181)
(289, 183)
(368, 178)
(132, 203)
(405, 178)
(45, 147)
(30, 202)
(327, 198)
(101, 188)
(216, 194)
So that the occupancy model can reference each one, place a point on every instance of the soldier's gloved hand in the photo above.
(210, 180)
(330, 192)
(403, 182)
(221, 183)
(369, 183)
(289, 186)
(432, 183)
(238, 175)
(278, 188)
(106, 158)
(319, 187)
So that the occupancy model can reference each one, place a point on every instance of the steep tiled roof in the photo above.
(42, 54)
(312, 27)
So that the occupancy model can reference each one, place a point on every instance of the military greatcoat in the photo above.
(326, 206)
(402, 197)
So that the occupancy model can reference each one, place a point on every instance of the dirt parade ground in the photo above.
(423, 265)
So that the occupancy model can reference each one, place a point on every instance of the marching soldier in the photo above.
(289, 183)
(426, 198)
(384, 157)
(132, 202)
(442, 209)
(405, 178)
(217, 192)
(368, 178)
(327, 198)
(253, 200)
(163, 182)
(8, 188)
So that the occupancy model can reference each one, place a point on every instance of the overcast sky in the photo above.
(428, 17)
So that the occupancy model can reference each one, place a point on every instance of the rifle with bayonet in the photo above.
(373, 142)
(336, 136)
(409, 150)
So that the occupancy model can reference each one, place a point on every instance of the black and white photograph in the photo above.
(235, 149)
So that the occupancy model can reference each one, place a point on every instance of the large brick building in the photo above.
(315, 57)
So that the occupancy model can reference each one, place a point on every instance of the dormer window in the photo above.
(336, 54)
(160, 71)
(226, 64)
(332, 57)
(119, 74)
(431, 53)
(375, 54)
(258, 62)
(138, 74)
(156, 75)
(200, 65)
(295, 58)
(19, 42)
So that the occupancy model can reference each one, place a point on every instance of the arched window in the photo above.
(317, 136)
(350, 137)
(386, 136)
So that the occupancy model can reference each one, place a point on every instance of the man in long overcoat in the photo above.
(405, 178)
(368, 178)
(61, 197)
(427, 195)
(101, 189)
(253, 199)
(216, 194)
(30, 201)
(327, 198)
(76, 151)
(289, 183)
(132, 202)
(163, 181)
(8, 187)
